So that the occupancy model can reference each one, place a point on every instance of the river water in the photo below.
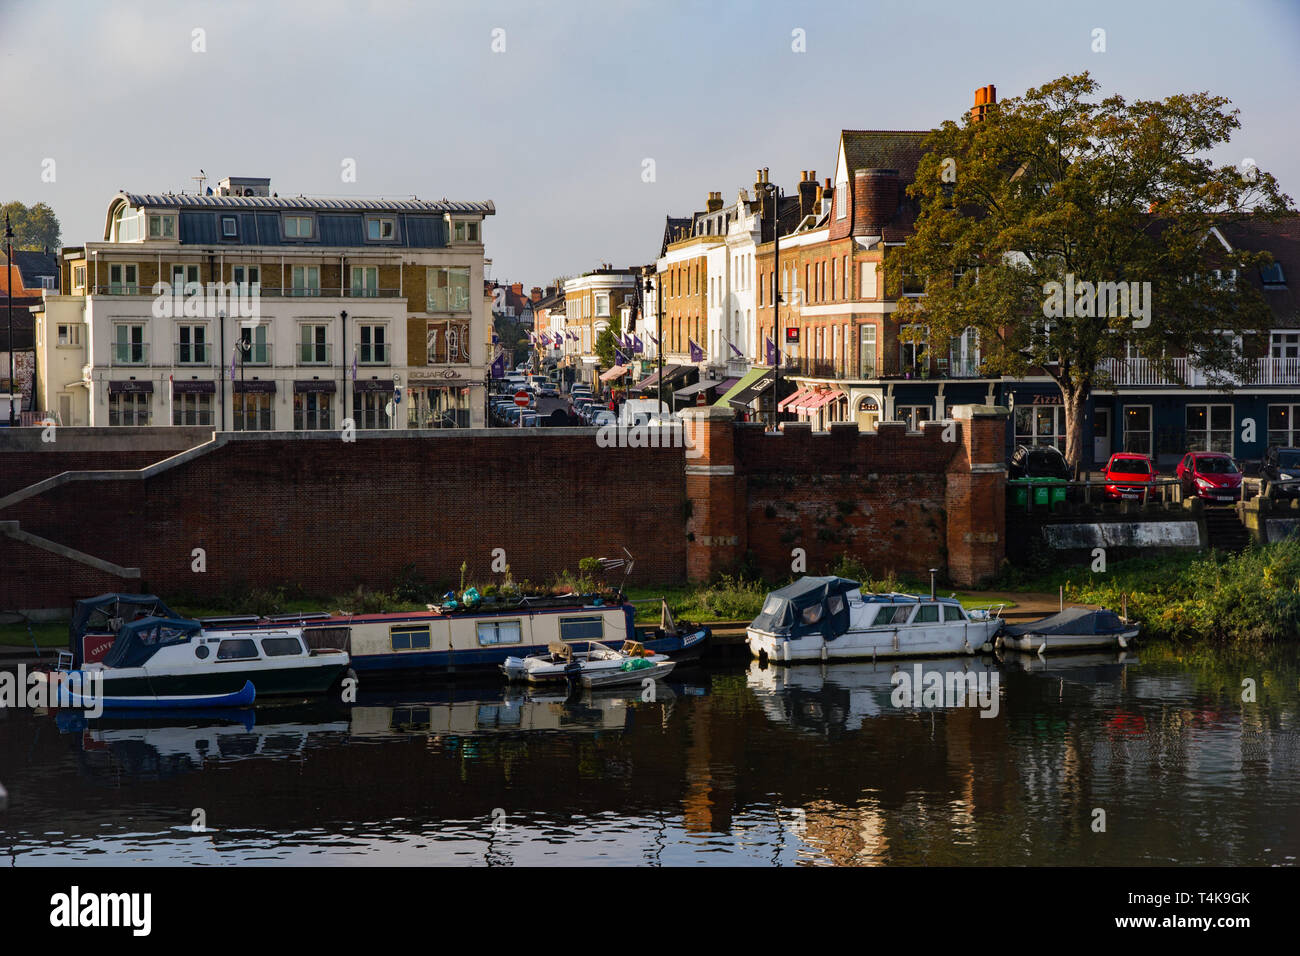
(1152, 757)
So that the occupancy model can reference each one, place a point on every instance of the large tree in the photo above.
(1026, 212)
(35, 227)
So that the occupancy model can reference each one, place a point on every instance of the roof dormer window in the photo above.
(1272, 275)
(127, 225)
(162, 226)
(381, 230)
(297, 227)
(229, 227)
(465, 231)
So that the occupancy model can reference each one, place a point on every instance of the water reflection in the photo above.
(806, 765)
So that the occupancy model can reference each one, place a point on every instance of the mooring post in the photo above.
(4, 798)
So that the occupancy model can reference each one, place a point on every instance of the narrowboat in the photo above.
(454, 638)
(829, 618)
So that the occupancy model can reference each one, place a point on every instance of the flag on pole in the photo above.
(739, 354)
(697, 353)
(638, 345)
(620, 358)
(354, 366)
(232, 363)
(769, 350)
(499, 365)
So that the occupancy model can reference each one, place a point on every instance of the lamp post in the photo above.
(659, 343)
(774, 193)
(9, 296)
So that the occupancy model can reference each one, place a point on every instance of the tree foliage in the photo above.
(1058, 187)
(35, 227)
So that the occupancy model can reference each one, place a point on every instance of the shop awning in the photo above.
(314, 385)
(653, 380)
(373, 385)
(183, 387)
(825, 398)
(130, 387)
(618, 371)
(705, 385)
(254, 385)
(796, 396)
(752, 384)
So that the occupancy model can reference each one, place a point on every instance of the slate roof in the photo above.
(32, 265)
(269, 203)
(884, 149)
(1281, 238)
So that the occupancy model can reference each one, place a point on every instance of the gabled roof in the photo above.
(883, 149)
(1280, 238)
(675, 228)
(33, 265)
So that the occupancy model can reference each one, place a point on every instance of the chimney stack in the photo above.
(808, 197)
(714, 203)
(535, 293)
(985, 97)
(875, 200)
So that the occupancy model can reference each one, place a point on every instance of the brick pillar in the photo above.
(716, 539)
(977, 495)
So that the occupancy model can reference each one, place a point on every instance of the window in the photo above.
(448, 289)
(1040, 425)
(191, 409)
(182, 275)
(582, 629)
(128, 345)
(372, 350)
(313, 411)
(893, 614)
(1209, 428)
(365, 281)
(409, 637)
(1284, 345)
(123, 278)
(127, 224)
(447, 342)
(1282, 428)
(912, 355)
(1273, 276)
(128, 408)
(913, 284)
(499, 632)
(237, 649)
(79, 277)
(602, 305)
(952, 612)
(253, 411)
(313, 349)
(813, 614)
(867, 351)
(927, 614)
(305, 279)
(297, 227)
(162, 227)
(369, 409)
(913, 415)
(380, 230)
(69, 336)
(281, 646)
(191, 345)
(1137, 429)
(466, 232)
(841, 200)
(246, 275)
(229, 227)
(253, 345)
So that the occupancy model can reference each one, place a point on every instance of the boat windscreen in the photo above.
(108, 613)
(140, 640)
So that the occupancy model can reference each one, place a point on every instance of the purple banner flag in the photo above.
(499, 366)
(637, 344)
(697, 353)
(739, 354)
(769, 350)
(620, 358)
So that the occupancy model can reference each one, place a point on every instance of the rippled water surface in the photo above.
(1149, 758)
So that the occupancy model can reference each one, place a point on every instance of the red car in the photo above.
(1211, 475)
(1129, 476)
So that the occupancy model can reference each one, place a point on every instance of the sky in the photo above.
(551, 108)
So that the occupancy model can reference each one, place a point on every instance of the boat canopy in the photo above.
(109, 612)
(1073, 620)
(140, 640)
(811, 605)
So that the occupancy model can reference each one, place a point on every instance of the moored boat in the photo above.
(1073, 629)
(594, 666)
(829, 618)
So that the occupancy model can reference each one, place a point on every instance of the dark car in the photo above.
(1211, 475)
(1281, 471)
(1039, 461)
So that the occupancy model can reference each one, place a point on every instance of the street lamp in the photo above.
(9, 296)
(774, 193)
(659, 344)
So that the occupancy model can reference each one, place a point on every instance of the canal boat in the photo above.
(829, 618)
(244, 697)
(177, 662)
(1073, 629)
(456, 637)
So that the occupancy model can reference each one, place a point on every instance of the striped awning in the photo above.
(618, 371)
(798, 395)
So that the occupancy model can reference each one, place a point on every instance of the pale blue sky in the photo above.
(555, 128)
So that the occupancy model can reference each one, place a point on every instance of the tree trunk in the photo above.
(1075, 400)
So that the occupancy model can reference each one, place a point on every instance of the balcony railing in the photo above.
(1183, 371)
(315, 354)
(129, 353)
(256, 289)
(193, 353)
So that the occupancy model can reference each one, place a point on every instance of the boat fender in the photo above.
(1123, 642)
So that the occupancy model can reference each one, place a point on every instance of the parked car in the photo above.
(1282, 465)
(1129, 476)
(1039, 461)
(603, 417)
(1211, 475)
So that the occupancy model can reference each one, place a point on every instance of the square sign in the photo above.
(792, 334)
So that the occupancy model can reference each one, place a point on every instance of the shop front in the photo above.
(439, 400)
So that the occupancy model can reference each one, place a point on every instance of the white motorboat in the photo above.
(829, 618)
(597, 666)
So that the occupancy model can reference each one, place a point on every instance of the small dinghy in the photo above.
(635, 670)
(1074, 629)
(563, 662)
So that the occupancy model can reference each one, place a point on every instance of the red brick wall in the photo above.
(35, 579)
(25, 459)
(327, 515)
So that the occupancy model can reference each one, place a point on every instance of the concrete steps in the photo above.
(1224, 530)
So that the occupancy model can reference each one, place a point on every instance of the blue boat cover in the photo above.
(140, 640)
(100, 613)
(1073, 620)
(811, 605)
